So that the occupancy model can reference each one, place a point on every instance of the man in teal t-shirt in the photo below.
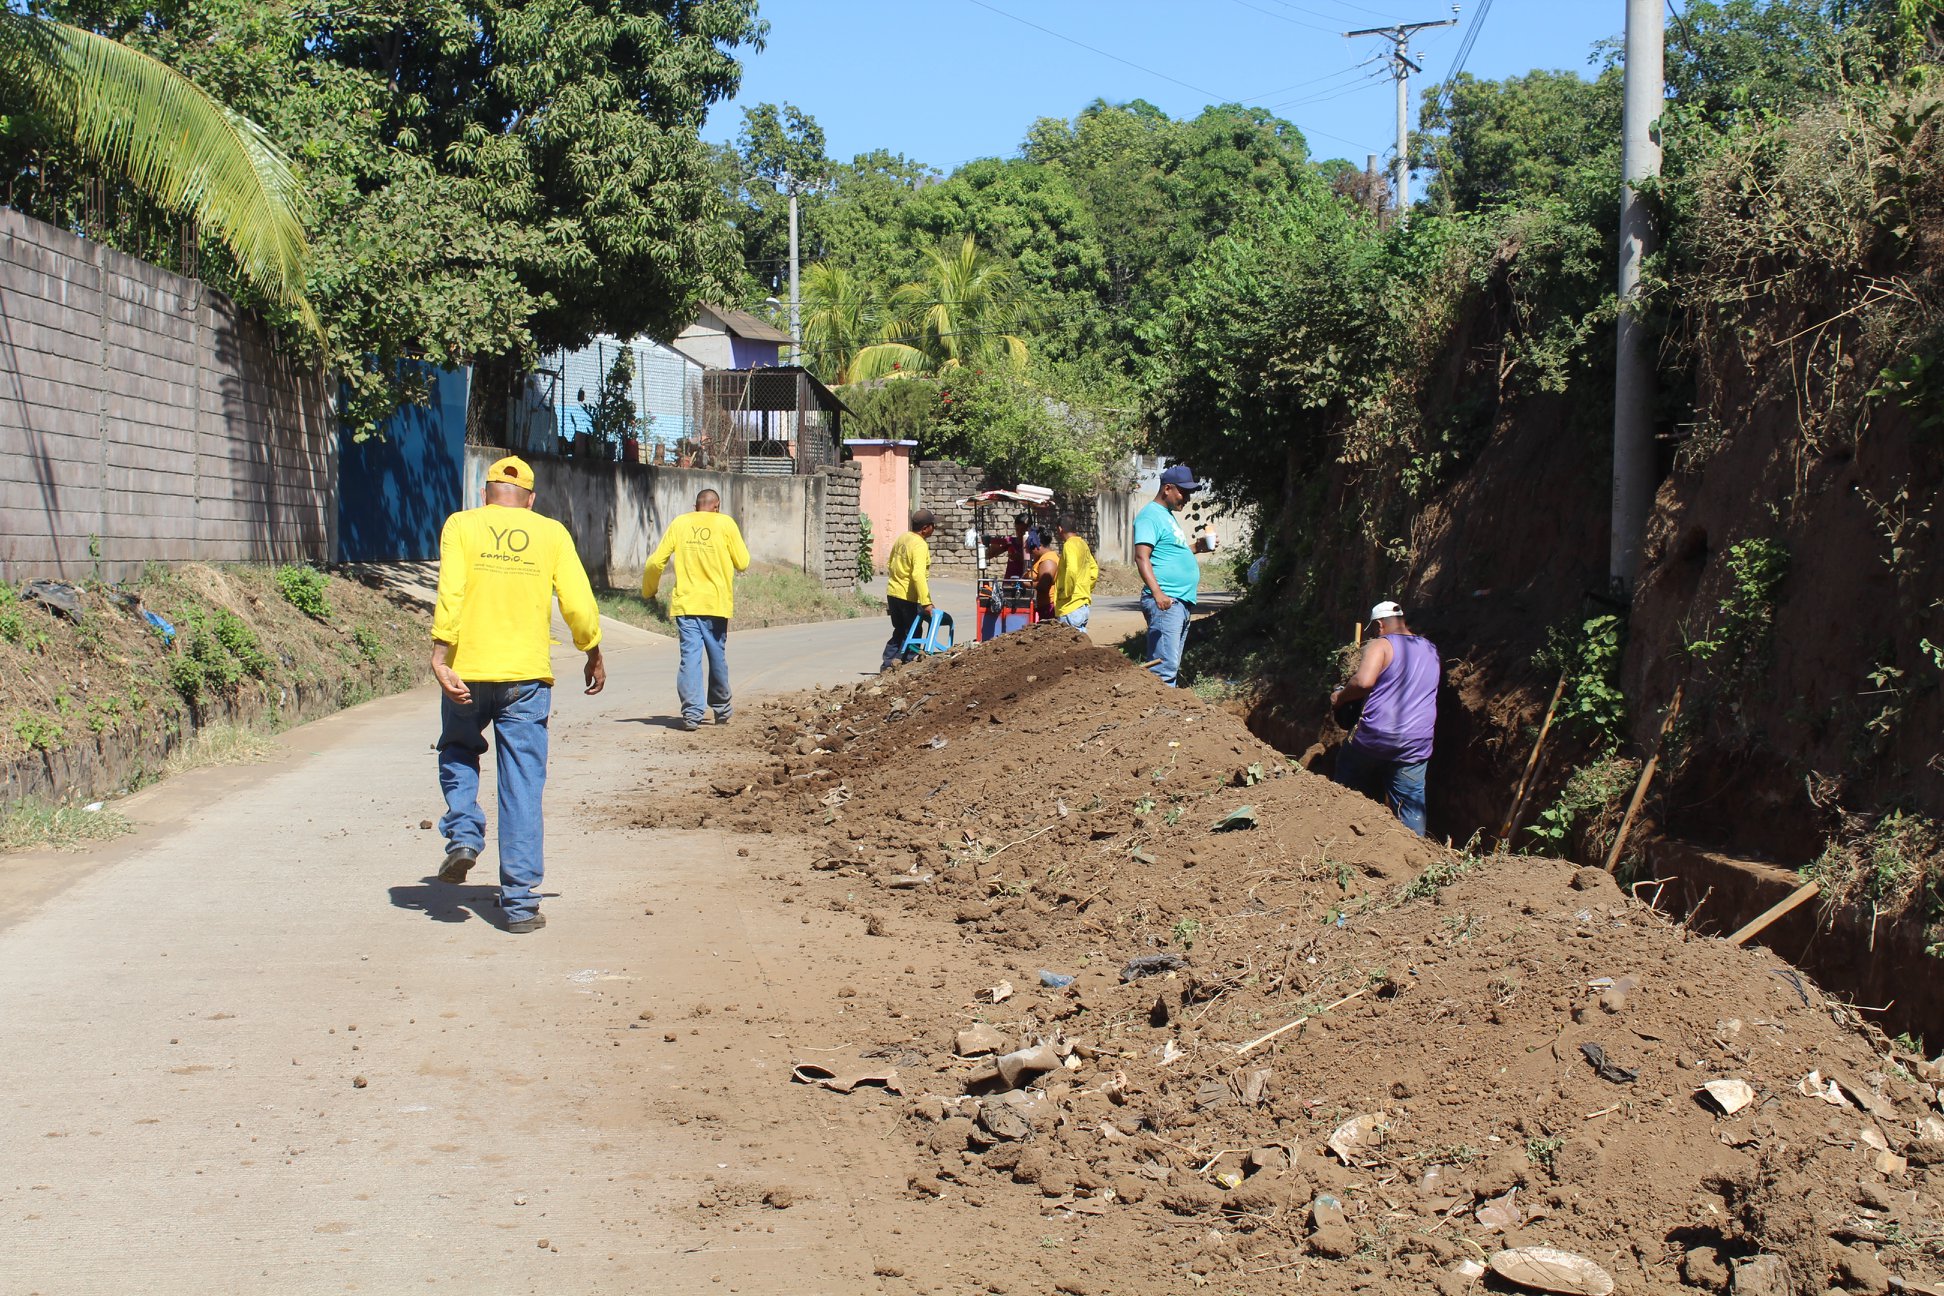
(1170, 576)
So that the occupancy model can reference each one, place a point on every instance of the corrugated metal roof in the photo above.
(745, 325)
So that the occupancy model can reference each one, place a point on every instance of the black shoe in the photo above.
(721, 719)
(690, 726)
(458, 862)
(525, 925)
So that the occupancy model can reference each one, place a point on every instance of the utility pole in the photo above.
(796, 324)
(1401, 68)
(1633, 365)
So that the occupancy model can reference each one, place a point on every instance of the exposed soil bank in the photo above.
(1883, 966)
(1053, 809)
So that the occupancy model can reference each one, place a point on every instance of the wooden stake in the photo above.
(1792, 902)
(1289, 1026)
(1532, 763)
(1646, 777)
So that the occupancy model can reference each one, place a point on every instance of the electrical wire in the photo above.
(1443, 101)
(1212, 96)
(1337, 75)
(1326, 96)
(1271, 13)
(1341, 4)
(1048, 31)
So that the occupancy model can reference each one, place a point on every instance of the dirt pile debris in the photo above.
(1225, 1020)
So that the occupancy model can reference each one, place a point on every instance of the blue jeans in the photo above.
(518, 713)
(1396, 783)
(1078, 617)
(1167, 634)
(703, 637)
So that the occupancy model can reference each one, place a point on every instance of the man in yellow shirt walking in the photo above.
(907, 584)
(500, 567)
(708, 550)
(1079, 573)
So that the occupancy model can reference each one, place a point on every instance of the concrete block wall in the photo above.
(144, 412)
(617, 512)
(842, 533)
(941, 483)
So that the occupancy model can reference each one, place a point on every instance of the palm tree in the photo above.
(133, 115)
(843, 316)
(961, 314)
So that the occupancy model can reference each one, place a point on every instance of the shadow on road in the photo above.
(657, 722)
(442, 902)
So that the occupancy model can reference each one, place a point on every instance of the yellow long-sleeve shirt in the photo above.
(499, 571)
(1079, 573)
(708, 551)
(907, 572)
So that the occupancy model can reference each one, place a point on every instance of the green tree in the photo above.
(613, 414)
(844, 314)
(780, 156)
(962, 314)
(483, 179)
(141, 120)
(1495, 142)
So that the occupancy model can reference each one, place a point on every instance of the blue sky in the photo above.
(945, 81)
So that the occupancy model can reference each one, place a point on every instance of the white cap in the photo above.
(1385, 609)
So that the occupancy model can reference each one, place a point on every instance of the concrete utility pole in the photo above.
(1633, 367)
(1401, 69)
(796, 323)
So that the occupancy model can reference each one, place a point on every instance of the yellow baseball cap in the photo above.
(512, 470)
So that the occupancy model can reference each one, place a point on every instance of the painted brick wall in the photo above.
(141, 408)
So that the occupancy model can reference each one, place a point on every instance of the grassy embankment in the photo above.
(107, 698)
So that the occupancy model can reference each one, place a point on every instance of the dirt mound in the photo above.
(1299, 1038)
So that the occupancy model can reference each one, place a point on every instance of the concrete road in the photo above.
(191, 1011)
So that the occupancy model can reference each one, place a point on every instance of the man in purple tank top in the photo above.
(1397, 681)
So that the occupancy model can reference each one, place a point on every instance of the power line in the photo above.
(1326, 96)
(1271, 13)
(1094, 50)
(1341, 4)
(1337, 75)
(1464, 52)
(1213, 97)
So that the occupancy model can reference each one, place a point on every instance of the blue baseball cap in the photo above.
(1181, 477)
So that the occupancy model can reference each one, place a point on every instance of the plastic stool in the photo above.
(924, 633)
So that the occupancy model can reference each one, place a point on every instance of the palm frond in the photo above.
(888, 360)
(172, 141)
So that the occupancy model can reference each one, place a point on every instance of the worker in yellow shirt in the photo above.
(708, 550)
(907, 585)
(1079, 573)
(500, 568)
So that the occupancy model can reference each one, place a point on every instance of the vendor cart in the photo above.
(1004, 604)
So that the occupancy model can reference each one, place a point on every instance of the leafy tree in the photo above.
(1521, 138)
(1015, 430)
(155, 129)
(483, 179)
(858, 220)
(780, 155)
(613, 414)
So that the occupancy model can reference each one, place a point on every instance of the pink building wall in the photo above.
(885, 493)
